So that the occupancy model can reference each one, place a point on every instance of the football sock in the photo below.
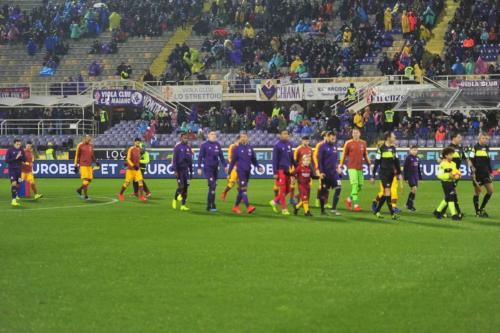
(380, 203)
(442, 206)
(411, 199)
(390, 204)
(475, 200)
(306, 206)
(485, 200)
(244, 196)
(33, 188)
(336, 197)
(451, 206)
(13, 190)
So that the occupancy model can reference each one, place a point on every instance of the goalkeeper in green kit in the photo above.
(355, 151)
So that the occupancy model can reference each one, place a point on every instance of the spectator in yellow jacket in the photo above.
(405, 23)
(248, 31)
(296, 63)
(388, 19)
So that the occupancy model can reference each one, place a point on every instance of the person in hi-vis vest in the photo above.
(389, 120)
(50, 153)
(351, 93)
(103, 120)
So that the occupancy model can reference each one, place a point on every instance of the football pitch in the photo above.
(107, 266)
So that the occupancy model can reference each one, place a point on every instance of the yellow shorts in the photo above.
(233, 177)
(133, 175)
(28, 177)
(86, 172)
(394, 189)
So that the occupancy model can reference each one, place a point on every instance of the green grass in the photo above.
(107, 266)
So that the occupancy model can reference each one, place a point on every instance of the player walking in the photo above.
(355, 151)
(84, 157)
(233, 176)
(316, 167)
(482, 173)
(412, 174)
(182, 163)
(27, 169)
(388, 161)
(143, 164)
(458, 156)
(243, 158)
(15, 158)
(282, 163)
(329, 172)
(209, 157)
(448, 174)
(133, 173)
(303, 173)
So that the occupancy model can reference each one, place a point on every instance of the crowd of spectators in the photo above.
(473, 29)
(315, 118)
(297, 36)
(49, 25)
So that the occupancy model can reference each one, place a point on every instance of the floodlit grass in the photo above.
(106, 266)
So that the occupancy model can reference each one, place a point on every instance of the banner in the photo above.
(195, 93)
(324, 91)
(160, 166)
(118, 97)
(154, 105)
(16, 92)
(271, 91)
(474, 84)
(392, 93)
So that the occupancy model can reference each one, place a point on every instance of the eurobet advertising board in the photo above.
(160, 166)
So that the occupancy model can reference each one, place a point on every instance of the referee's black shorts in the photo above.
(386, 178)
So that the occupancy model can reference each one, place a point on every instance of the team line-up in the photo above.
(291, 167)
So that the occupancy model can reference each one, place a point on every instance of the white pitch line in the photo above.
(88, 205)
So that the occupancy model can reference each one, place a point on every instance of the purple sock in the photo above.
(245, 198)
(238, 198)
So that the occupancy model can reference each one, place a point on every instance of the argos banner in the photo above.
(324, 91)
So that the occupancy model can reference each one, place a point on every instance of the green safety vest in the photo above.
(389, 116)
(351, 93)
(103, 116)
(408, 71)
(49, 154)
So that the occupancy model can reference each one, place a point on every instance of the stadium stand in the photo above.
(39, 36)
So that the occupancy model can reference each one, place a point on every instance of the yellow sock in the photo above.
(298, 205)
(306, 206)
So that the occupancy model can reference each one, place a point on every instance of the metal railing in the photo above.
(473, 77)
(229, 86)
(362, 93)
(48, 126)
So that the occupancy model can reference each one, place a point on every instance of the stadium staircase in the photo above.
(180, 36)
(436, 44)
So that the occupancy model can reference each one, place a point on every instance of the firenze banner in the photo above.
(271, 91)
(118, 97)
(392, 93)
(113, 165)
(16, 92)
(195, 93)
